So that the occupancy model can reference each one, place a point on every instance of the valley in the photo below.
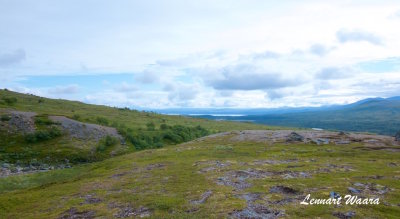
(374, 115)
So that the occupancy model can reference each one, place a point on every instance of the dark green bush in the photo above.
(43, 120)
(102, 120)
(151, 138)
(145, 141)
(5, 118)
(109, 141)
(10, 100)
(150, 126)
(158, 144)
(172, 137)
(163, 126)
(43, 135)
(76, 117)
(122, 131)
(106, 142)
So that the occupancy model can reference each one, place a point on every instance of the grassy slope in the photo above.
(132, 119)
(167, 191)
(14, 149)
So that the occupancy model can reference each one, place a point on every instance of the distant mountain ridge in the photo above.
(265, 111)
(375, 115)
(243, 111)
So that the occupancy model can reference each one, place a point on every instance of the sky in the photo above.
(201, 54)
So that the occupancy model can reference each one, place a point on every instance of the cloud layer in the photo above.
(209, 54)
(248, 77)
(64, 90)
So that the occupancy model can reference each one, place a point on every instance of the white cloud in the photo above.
(334, 73)
(249, 77)
(147, 77)
(125, 87)
(319, 49)
(266, 55)
(345, 36)
(395, 15)
(62, 90)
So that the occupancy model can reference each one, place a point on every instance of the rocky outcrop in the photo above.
(18, 122)
(294, 137)
(311, 136)
(397, 136)
(85, 131)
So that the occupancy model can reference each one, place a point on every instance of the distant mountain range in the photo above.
(376, 115)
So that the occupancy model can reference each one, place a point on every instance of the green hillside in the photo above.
(114, 116)
(48, 144)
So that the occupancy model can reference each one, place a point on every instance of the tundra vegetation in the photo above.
(225, 175)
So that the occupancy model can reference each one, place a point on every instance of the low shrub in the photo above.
(106, 142)
(5, 118)
(102, 120)
(43, 135)
(10, 100)
(43, 120)
(139, 141)
(150, 126)
(163, 126)
(150, 138)
(76, 117)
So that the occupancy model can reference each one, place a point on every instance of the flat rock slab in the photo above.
(85, 131)
(203, 197)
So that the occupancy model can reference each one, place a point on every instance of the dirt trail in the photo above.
(85, 130)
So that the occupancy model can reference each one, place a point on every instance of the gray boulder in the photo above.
(397, 136)
(354, 190)
(294, 137)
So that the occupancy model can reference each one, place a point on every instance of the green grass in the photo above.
(167, 189)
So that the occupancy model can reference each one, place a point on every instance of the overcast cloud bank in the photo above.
(208, 54)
